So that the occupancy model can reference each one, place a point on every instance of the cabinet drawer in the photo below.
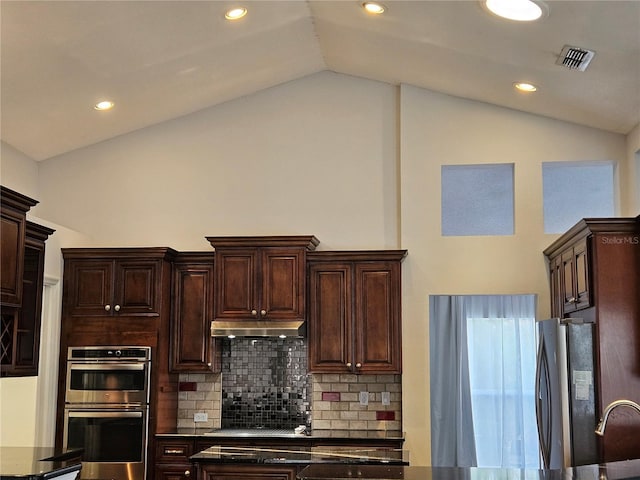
(178, 471)
(173, 451)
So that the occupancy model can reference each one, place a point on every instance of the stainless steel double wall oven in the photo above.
(107, 410)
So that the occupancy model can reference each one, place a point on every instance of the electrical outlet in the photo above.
(386, 398)
(200, 417)
(364, 398)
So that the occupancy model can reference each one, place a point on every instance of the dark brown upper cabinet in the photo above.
(261, 278)
(355, 312)
(192, 347)
(595, 276)
(113, 282)
(13, 209)
(22, 263)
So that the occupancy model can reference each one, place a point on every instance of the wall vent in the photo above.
(575, 58)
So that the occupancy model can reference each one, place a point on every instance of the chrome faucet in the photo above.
(616, 403)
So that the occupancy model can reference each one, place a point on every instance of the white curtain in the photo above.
(487, 343)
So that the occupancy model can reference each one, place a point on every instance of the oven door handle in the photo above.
(107, 367)
(94, 414)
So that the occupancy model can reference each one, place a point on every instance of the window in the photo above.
(482, 378)
(575, 190)
(477, 199)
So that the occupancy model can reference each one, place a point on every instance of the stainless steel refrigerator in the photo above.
(565, 393)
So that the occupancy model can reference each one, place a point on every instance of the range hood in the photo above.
(272, 328)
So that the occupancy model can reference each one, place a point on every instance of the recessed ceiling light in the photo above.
(104, 105)
(525, 87)
(235, 13)
(519, 10)
(374, 7)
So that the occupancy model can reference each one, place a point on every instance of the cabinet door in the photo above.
(580, 259)
(12, 235)
(555, 281)
(282, 284)
(236, 281)
(191, 341)
(575, 278)
(330, 318)
(88, 287)
(136, 288)
(247, 472)
(377, 317)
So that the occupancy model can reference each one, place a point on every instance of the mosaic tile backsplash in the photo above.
(265, 383)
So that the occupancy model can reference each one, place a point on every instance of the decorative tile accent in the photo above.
(206, 398)
(347, 413)
(265, 383)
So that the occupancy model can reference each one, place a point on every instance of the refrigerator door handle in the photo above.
(544, 429)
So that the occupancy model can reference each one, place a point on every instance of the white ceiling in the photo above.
(162, 59)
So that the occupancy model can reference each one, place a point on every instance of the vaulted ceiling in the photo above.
(163, 59)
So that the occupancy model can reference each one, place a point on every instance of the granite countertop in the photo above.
(39, 462)
(302, 455)
(608, 471)
(287, 434)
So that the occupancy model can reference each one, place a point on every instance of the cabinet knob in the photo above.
(349, 364)
(263, 312)
(117, 308)
(254, 313)
(358, 365)
(187, 473)
(107, 307)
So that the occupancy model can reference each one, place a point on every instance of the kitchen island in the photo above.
(265, 453)
(39, 463)
(629, 469)
(284, 463)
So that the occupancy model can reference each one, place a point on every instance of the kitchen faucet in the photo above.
(616, 403)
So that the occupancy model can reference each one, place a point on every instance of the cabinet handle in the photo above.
(358, 365)
(263, 312)
(174, 451)
(117, 308)
(254, 313)
(187, 473)
(349, 364)
(572, 300)
(107, 307)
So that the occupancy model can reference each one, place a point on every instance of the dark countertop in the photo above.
(608, 471)
(301, 455)
(235, 434)
(39, 463)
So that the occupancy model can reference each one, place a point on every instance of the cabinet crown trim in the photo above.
(309, 242)
(588, 226)
(356, 255)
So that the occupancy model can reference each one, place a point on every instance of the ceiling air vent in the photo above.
(575, 58)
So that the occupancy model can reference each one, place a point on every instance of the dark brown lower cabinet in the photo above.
(247, 472)
(175, 472)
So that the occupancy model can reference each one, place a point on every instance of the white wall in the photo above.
(632, 174)
(313, 156)
(354, 162)
(18, 171)
(437, 129)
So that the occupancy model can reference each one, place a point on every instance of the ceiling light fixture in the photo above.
(104, 105)
(525, 87)
(235, 13)
(373, 8)
(519, 10)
